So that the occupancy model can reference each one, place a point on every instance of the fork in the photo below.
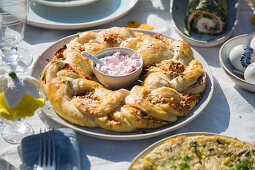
(47, 151)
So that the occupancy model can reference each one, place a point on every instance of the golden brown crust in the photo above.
(60, 94)
(171, 88)
(199, 152)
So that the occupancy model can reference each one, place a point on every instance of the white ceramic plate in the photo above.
(144, 133)
(93, 14)
(178, 11)
(226, 64)
(146, 151)
(65, 3)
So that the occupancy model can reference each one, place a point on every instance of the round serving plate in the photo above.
(48, 54)
(150, 148)
(78, 17)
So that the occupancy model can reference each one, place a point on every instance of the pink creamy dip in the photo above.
(119, 65)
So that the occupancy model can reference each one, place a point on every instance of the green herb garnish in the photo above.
(12, 74)
(169, 161)
(181, 74)
(245, 165)
(183, 166)
(195, 144)
(88, 91)
(186, 157)
(230, 164)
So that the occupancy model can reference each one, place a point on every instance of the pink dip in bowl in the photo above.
(119, 65)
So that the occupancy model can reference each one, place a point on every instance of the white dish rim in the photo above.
(82, 25)
(135, 136)
(222, 63)
(65, 4)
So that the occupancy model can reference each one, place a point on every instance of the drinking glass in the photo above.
(13, 16)
(15, 130)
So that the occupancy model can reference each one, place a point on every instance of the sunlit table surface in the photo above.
(230, 112)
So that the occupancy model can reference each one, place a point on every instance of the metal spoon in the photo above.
(93, 58)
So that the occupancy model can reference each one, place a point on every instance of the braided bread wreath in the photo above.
(173, 82)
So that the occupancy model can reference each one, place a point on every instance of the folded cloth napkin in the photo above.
(67, 150)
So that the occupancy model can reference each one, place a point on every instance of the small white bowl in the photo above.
(226, 64)
(116, 82)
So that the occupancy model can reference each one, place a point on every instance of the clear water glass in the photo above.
(15, 130)
(13, 17)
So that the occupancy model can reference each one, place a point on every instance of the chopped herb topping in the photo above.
(195, 144)
(221, 141)
(186, 157)
(88, 91)
(181, 74)
(179, 157)
(12, 74)
(169, 161)
(245, 165)
(183, 166)
(230, 164)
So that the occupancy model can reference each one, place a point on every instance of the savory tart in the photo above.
(173, 82)
(206, 16)
(213, 152)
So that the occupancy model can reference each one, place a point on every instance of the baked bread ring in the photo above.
(173, 82)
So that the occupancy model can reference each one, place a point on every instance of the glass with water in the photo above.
(13, 16)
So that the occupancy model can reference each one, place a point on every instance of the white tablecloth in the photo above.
(230, 111)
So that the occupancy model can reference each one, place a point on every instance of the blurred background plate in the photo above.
(178, 11)
(93, 14)
(65, 3)
(48, 54)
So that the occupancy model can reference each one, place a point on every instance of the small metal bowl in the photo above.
(116, 82)
(226, 64)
